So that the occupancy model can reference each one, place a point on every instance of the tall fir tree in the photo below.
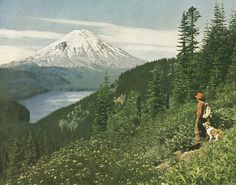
(183, 37)
(193, 64)
(103, 105)
(182, 59)
(156, 95)
(188, 33)
(231, 77)
(166, 79)
(232, 29)
(215, 48)
(180, 84)
(204, 66)
(16, 157)
(193, 31)
(30, 151)
(232, 35)
(185, 82)
(3, 157)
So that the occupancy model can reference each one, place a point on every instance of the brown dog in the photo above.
(213, 133)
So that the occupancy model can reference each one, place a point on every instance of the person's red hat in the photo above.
(199, 95)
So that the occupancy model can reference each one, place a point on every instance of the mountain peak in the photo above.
(87, 32)
(82, 48)
(78, 34)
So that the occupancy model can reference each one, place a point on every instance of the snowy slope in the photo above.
(81, 48)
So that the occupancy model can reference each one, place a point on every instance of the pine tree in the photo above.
(103, 105)
(16, 157)
(193, 16)
(193, 31)
(30, 151)
(216, 48)
(188, 32)
(3, 157)
(231, 77)
(232, 35)
(204, 66)
(166, 79)
(183, 37)
(192, 67)
(182, 60)
(186, 72)
(156, 94)
(232, 29)
(180, 85)
(206, 34)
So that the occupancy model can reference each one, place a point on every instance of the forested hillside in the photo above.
(129, 154)
(126, 130)
(14, 119)
(29, 80)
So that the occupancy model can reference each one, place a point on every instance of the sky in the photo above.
(147, 29)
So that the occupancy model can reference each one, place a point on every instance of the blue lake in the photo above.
(43, 104)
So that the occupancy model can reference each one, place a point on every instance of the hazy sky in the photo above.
(145, 28)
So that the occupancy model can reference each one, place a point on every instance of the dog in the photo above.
(213, 133)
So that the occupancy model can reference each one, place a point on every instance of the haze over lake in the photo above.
(43, 104)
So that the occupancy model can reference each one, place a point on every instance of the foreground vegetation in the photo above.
(127, 156)
(215, 165)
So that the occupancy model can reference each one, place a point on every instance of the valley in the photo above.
(43, 104)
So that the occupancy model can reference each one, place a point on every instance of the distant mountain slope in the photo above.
(22, 83)
(81, 48)
(29, 79)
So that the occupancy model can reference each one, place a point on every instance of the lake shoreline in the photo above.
(44, 104)
(20, 98)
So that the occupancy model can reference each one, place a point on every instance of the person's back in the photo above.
(199, 118)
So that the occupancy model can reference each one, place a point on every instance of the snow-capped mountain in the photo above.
(81, 48)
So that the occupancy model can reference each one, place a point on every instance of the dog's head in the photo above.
(206, 124)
